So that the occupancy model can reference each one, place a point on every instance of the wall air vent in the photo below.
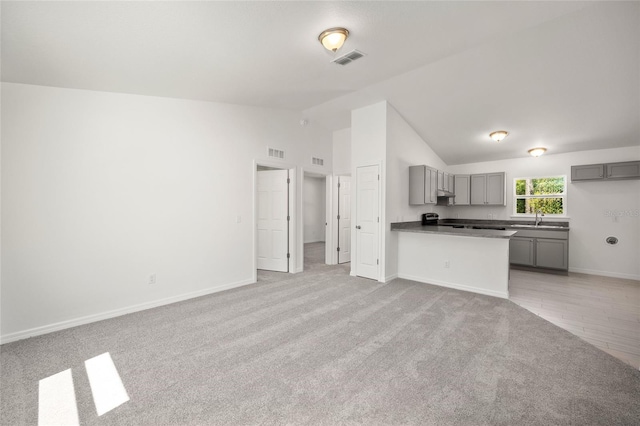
(317, 161)
(276, 153)
(348, 58)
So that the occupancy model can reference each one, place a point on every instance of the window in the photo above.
(545, 194)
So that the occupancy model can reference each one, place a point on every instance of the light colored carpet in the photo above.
(325, 348)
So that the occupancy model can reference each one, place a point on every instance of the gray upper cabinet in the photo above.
(423, 182)
(587, 172)
(461, 190)
(478, 189)
(488, 189)
(495, 189)
(626, 170)
(611, 171)
(440, 177)
(445, 181)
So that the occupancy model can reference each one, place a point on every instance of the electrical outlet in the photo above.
(238, 219)
(152, 279)
(446, 263)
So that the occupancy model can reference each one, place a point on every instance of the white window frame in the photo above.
(514, 213)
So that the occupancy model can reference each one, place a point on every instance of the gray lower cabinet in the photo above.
(521, 251)
(552, 253)
(540, 249)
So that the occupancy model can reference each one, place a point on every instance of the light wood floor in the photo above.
(603, 311)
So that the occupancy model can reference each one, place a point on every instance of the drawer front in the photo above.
(533, 233)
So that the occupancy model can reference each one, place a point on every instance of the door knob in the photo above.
(357, 226)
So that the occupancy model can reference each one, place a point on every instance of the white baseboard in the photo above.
(462, 287)
(605, 273)
(390, 278)
(62, 325)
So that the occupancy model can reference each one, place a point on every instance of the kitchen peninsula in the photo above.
(475, 260)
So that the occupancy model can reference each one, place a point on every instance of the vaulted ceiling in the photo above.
(565, 75)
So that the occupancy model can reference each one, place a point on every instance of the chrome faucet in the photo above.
(539, 221)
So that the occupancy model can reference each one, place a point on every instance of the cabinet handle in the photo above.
(358, 227)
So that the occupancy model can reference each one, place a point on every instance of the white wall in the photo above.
(589, 207)
(404, 148)
(314, 209)
(342, 152)
(99, 190)
(368, 147)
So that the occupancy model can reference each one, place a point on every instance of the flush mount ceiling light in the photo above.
(333, 38)
(537, 152)
(498, 135)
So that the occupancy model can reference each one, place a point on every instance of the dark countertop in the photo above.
(508, 224)
(448, 230)
(465, 227)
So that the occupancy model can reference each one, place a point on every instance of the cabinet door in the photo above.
(587, 172)
(478, 190)
(626, 170)
(521, 251)
(452, 183)
(552, 254)
(440, 181)
(461, 189)
(495, 189)
(417, 185)
(432, 195)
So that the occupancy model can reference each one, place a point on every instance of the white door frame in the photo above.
(294, 223)
(332, 218)
(328, 200)
(330, 254)
(337, 225)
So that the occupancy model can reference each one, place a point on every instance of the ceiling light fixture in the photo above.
(333, 38)
(498, 135)
(537, 152)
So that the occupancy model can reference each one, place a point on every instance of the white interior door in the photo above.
(367, 221)
(272, 221)
(344, 219)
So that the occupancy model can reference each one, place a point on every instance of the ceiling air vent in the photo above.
(349, 57)
(317, 161)
(276, 153)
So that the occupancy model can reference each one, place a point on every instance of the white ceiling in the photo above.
(565, 75)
